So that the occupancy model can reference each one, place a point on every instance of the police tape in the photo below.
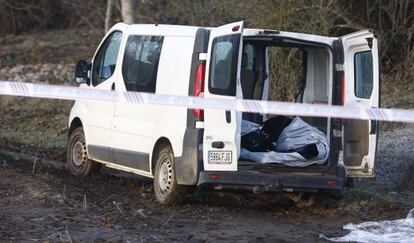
(223, 103)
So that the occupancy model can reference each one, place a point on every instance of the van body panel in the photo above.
(190, 163)
(361, 89)
(151, 122)
(221, 142)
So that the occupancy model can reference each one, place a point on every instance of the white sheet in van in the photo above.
(298, 134)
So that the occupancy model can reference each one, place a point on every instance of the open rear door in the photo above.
(221, 142)
(361, 88)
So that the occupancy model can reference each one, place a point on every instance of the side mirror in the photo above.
(81, 72)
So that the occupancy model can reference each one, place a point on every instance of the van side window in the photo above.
(105, 60)
(140, 65)
(363, 74)
(223, 65)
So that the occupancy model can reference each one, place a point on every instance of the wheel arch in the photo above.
(162, 141)
(75, 123)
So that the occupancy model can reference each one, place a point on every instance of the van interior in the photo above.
(281, 69)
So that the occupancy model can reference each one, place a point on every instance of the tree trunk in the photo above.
(128, 11)
(108, 15)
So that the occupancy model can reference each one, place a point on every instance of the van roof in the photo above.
(185, 30)
(165, 29)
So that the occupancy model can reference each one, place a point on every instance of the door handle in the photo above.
(113, 86)
(228, 116)
(374, 127)
(217, 144)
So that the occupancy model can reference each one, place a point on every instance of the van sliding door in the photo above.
(222, 128)
(361, 66)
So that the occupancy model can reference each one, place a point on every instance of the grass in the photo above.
(40, 122)
(370, 202)
(34, 122)
(363, 203)
(59, 46)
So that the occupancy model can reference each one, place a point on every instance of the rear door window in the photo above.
(140, 65)
(223, 65)
(363, 74)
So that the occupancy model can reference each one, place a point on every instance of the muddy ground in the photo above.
(41, 201)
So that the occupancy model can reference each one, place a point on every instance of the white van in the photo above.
(180, 147)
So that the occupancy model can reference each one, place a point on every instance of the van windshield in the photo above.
(223, 65)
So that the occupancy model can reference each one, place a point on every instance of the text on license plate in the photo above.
(219, 157)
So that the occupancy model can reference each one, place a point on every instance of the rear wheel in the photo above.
(166, 189)
(77, 157)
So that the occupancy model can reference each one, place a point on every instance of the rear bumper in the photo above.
(261, 182)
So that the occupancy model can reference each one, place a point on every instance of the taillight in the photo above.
(236, 28)
(343, 90)
(214, 176)
(199, 87)
(331, 182)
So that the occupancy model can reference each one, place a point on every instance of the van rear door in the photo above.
(361, 88)
(221, 139)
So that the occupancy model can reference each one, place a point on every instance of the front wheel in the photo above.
(166, 189)
(76, 156)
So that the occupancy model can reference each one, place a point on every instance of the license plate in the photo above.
(219, 157)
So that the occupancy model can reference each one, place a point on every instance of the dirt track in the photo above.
(46, 203)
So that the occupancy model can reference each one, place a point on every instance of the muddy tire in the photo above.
(76, 155)
(166, 189)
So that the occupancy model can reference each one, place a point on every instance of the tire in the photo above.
(166, 189)
(77, 156)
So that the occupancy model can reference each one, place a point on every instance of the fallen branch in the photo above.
(68, 235)
(85, 206)
(168, 220)
(34, 165)
(106, 199)
(116, 205)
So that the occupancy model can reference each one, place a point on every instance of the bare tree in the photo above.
(128, 11)
(108, 14)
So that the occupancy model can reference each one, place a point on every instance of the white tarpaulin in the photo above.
(296, 135)
(400, 230)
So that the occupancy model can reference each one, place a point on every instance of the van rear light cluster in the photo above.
(331, 182)
(199, 87)
(236, 28)
(214, 177)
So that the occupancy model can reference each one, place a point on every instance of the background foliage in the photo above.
(393, 21)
